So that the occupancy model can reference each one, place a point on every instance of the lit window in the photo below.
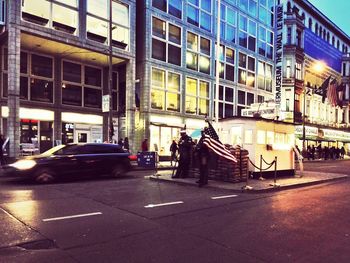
(198, 53)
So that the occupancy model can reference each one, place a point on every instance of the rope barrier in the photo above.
(270, 165)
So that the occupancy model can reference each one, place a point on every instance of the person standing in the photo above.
(126, 143)
(203, 160)
(144, 145)
(185, 150)
(121, 143)
(342, 152)
(2, 160)
(173, 149)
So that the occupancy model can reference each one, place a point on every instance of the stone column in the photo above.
(14, 54)
(130, 105)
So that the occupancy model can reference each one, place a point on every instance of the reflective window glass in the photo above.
(42, 66)
(71, 72)
(41, 90)
(120, 14)
(93, 76)
(158, 28)
(191, 86)
(192, 15)
(72, 95)
(174, 34)
(192, 41)
(92, 98)
(98, 7)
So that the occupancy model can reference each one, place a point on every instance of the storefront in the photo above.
(315, 136)
(36, 129)
(163, 130)
(80, 128)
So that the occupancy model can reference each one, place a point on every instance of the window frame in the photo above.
(167, 41)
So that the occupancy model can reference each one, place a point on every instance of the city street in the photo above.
(133, 219)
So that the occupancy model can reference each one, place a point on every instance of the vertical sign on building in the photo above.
(278, 54)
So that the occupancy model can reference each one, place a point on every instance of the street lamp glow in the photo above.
(319, 66)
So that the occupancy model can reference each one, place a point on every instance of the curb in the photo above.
(265, 190)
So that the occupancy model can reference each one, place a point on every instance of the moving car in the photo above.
(88, 159)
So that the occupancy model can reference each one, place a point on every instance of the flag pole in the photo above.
(216, 101)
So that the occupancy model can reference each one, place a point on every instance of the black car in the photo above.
(71, 160)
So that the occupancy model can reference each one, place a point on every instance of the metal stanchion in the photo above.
(261, 160)
(246, 187)
(275, 184)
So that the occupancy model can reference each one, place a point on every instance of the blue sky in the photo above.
(336, 10)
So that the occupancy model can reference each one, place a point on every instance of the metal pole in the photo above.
(304, 106)
(217, 75)
(275, 175)
(110, 117)
(260, 168)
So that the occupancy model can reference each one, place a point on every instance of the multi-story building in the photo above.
(176, 43)
(314, 49)
(54, 71)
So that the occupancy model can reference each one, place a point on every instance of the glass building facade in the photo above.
(176, 63)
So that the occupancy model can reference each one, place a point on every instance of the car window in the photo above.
(69, 150)
(98, 149)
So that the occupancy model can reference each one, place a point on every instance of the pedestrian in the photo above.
(2, 160)
(120, 142)
(126, 143)
(202, 153)
(313, 150)
(144, 145)
(173, 149)
(185, 151)
(308, 152)
(342, 152)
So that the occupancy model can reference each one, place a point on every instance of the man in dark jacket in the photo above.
(173, 150)
(203, 159)
(185, 150)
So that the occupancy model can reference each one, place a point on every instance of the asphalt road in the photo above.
(133, 219)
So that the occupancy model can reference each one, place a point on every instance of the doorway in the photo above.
(82, 136)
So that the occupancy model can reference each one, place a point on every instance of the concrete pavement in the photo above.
(303, 179)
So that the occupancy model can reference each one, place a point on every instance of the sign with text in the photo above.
(105, 103)
(278, 53)
(319, 49)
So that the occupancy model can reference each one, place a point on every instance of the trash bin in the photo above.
(147, 159)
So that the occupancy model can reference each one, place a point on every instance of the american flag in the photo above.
(332, 93)
(211, 140)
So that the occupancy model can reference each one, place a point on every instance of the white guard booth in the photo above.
(262, 137)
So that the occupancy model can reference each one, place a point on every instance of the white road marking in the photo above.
(223, 196)
(163, 204)
(72, 216)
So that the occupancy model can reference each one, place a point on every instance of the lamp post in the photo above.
(217, 76)
(110, 114)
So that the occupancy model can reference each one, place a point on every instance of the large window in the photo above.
(166, 41)
(97, 22)
(264, 76)
(36, 77)
(81, 85)
(172, 7)
(246, 70)
(197, 96)
(227, 62)
(228, 23)
(247, 33)
(249, 6)
(226, 101)
(61, 15)
(165, 92)
(244, 99)
(198, 53)
(266, 8)
(199, 13)
(265, 45)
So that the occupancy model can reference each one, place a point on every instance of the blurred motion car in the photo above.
(72, 160)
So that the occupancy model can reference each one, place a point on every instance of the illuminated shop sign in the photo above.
(338, 135)
(320, 49)
(309, 131)
(279, 52)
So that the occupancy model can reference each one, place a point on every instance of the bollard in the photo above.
(275, 185)
(261, 177)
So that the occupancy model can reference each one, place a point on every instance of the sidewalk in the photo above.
(256, 186)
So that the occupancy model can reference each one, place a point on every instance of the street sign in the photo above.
(105, 103)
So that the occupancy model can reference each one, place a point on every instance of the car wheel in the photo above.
(44, 176)
(118, 170)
